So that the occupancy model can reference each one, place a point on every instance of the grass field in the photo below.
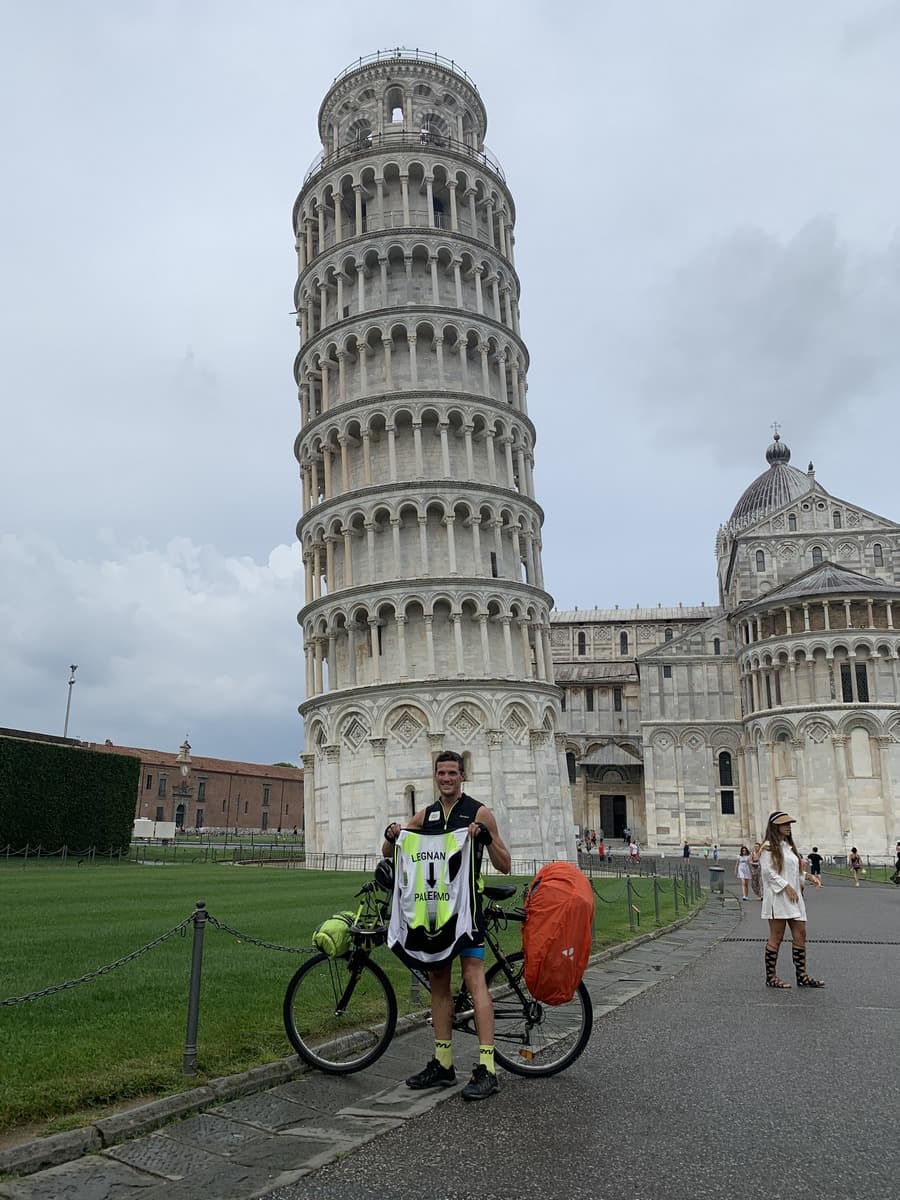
(120, 1035)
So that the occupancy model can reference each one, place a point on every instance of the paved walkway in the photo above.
(684, 1077)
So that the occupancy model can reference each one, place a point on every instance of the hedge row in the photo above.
(61, 795)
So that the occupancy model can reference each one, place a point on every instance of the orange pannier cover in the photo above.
(556, 936)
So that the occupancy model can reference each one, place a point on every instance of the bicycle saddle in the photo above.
(499, 891)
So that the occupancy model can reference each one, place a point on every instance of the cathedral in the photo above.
(692, 724)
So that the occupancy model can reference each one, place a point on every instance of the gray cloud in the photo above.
(756, 328)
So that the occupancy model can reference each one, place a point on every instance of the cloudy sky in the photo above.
(707, 238)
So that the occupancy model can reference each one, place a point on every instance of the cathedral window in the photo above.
(667, 672)
(717, 646)
(792, 522)
(726, 771)
(760, 560)
(582, 643)
(570, 765)
(589, 699)
(617, 699)
(862, 682)
(878, 555)
(562, 702)
(623, 643)
(817, 556)
(726, 784)
(836, 520)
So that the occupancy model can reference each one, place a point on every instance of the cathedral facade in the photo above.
(692, 724)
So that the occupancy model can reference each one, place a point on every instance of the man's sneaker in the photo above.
(481, 1085)
(434, 1075)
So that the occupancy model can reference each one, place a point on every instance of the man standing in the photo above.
(455, 810)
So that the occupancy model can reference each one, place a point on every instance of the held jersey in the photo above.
(432, 916)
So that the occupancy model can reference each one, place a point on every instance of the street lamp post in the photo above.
(73, 667)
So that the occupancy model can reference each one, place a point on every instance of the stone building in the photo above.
(426, 621)
(217, 794)
(693, 724)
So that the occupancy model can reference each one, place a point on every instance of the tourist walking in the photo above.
(755, 874)
(854, 862)
(686, 852)
(815, 863)
(742, 871)
(783, 878)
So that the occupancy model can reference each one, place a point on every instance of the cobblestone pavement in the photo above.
(678, 1082)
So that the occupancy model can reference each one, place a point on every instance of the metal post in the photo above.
(189, 1060)
(630, 905)
(656, 897)
(675, 892)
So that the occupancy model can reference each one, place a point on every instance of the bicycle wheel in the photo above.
(536, 1038)
(337, 1020)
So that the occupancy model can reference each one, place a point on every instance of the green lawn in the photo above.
(121, 1035)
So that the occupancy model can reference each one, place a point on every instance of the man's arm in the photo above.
(498, 852)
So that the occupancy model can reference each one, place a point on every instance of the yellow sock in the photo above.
(486, 1058)
(443, 1052)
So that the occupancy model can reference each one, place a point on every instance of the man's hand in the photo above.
(393, 831)
(480, 832)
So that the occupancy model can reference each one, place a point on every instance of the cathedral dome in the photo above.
(776, 486)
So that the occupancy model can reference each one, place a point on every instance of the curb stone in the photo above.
(57, 1149)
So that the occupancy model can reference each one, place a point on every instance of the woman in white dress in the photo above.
(742, 870)
(783, 878)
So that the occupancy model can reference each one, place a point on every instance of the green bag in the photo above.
(332, 937)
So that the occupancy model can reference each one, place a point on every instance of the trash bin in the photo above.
(717, 880)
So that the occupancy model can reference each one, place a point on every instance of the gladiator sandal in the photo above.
(772, 979)
(803, 980)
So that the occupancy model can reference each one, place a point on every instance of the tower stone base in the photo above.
(370, 762)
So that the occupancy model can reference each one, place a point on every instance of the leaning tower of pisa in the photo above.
(425, 623)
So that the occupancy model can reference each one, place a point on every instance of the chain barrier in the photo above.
(246, 937)
(120, 962)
